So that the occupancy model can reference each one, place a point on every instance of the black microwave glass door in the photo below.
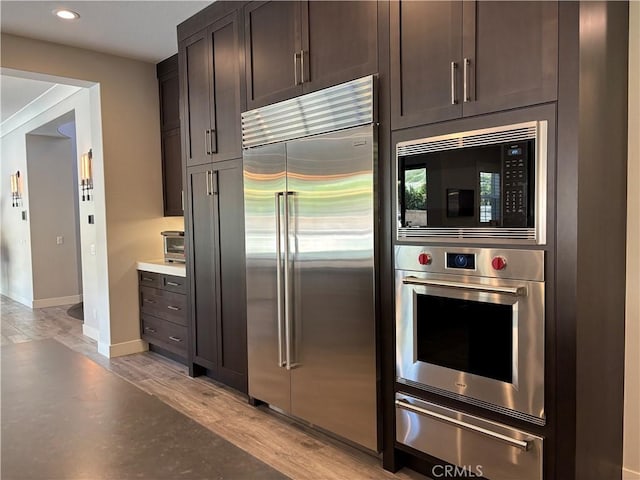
(483, 186)
(465, 335)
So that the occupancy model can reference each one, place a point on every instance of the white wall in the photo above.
(16, 261)
(130, 158)
(632, 348)
(55, 269)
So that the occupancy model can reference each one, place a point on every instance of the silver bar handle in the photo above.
(302, 66)
(175, 339)
(467, 62)
(281, 360)
(171, 307)
(209, 182)
(207, 142)
(295, 68)
(287, 287)
(518, 291)
(173, 284)
(454, 66)
(521, 444)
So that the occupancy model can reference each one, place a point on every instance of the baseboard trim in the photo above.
(91, 332)
(122, 349)
(630, 474)
(57, 301)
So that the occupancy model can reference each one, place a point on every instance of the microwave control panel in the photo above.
(515, 169)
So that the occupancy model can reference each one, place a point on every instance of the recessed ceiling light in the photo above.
(66, 14)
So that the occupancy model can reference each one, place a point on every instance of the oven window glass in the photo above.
(465, 335)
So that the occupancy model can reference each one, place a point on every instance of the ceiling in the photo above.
(141, 30)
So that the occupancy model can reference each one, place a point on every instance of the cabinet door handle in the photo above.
(302, 67)
(147, 279)
(149, 329)
(209, 182)
(295, 68)
(207, 134)
(171, 307)
(467, 62)
(148, 301)
(172, 284)
(213, 141)
(175, 339)
(454, 67)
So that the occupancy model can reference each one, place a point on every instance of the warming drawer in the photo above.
(498, 451)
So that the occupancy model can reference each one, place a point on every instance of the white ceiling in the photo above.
(142, 30)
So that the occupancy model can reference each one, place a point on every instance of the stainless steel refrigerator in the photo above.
(309, 223)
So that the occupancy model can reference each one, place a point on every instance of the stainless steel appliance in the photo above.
(309, 223)
(488, 184)
(474, 446)
(470, 326)
(173, 246)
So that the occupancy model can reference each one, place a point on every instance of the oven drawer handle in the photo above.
(521, 444)
(518, 291)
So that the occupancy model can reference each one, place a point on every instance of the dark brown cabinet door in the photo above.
(171, 149)
(426, 51)
(232, 323)
(272, 49)
(339, 42)
(512, 48)
(212, 76)
(172, 172)
(197, 112)
(217, 271)
(203, 265)
(225, 134)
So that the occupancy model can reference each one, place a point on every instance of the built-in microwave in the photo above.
(485, 184)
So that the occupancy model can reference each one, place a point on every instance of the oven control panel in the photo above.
(484, 262)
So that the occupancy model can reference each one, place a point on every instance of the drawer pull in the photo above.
(172, 284)
(149, 329)
(171, 307)
(148, 279)
(148, 300)
(175, 339)
(521, 444)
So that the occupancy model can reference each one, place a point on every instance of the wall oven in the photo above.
(483, 184)
(470, 326)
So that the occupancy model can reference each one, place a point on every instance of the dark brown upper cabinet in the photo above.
(212, 92)
(454, 59)
(168, 86)
(299, 47)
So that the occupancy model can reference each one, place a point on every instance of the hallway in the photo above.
(148, 439)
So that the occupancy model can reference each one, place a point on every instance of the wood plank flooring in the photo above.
(285, 445)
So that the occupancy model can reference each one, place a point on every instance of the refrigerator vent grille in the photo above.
(476, 138)
(343, 106)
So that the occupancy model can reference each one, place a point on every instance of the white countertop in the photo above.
(166, 268)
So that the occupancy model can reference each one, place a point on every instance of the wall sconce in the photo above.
(86, 175)
(16, 190)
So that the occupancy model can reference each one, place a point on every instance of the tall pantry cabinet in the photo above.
(212, 97)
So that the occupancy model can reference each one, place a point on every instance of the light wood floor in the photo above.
(276, 440)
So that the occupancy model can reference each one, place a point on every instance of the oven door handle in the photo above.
(517, 291)
(521, 444)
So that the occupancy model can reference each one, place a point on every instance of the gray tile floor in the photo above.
(65, 417)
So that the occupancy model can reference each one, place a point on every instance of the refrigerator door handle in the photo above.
(287, 284)
(281, 360)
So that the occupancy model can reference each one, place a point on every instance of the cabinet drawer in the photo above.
(165, 334)
(489, 449)
(173, 284)
(149, 279)
(163, 304)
